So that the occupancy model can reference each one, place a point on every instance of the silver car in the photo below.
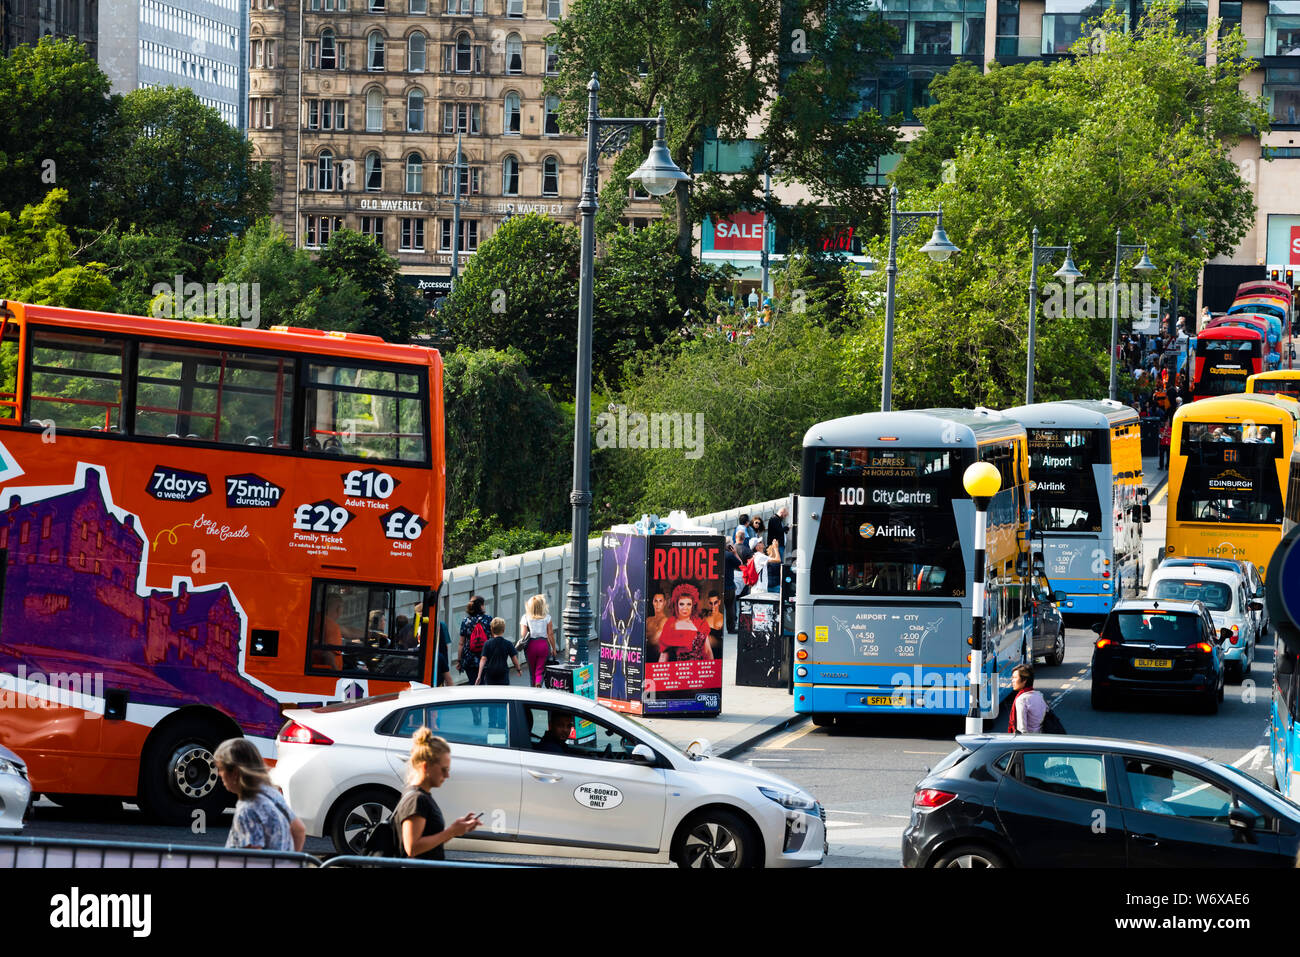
(15, 791)
(1227, 596)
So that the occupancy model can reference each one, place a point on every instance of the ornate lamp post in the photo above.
(1042, 255)
(1143, 267)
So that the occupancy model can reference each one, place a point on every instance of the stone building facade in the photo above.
(358, 105)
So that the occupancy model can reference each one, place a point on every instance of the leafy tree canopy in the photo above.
(37, 261)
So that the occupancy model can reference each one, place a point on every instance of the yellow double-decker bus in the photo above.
(1234, 477)
(1283, 382)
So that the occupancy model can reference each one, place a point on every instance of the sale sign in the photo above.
(1294, 260)
(740, 232)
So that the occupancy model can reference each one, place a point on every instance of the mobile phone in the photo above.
(478, 814)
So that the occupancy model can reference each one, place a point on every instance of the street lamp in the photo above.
(658, 176)
(1144, 267)
(982, 482)
(938, 249)
(1068, 273)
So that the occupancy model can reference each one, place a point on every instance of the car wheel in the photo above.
(178, 774)
(717, 839)
(1057, 654)
(972, 856)
(358, 813)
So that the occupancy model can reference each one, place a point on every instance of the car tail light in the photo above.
(1233, 639)
(1104, 642)
(295, 733)
(1201, 646)
(931, 798)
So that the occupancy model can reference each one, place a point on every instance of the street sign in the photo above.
(1282, 592)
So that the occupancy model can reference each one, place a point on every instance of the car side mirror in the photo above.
(1256, 606)
(1097, 626)
(1224, 634)
(1240, 820)
(1059, 596)
(642, 754)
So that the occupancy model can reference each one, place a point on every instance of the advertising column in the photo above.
(683, 671)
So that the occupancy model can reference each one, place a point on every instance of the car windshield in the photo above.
(1216, 595)
(651, 738)
(1150, 626)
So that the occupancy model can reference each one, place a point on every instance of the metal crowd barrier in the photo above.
(39, 852)
(348, 860)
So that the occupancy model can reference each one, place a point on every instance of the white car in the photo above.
(613, 791)
(1227, 596)
(15, 791)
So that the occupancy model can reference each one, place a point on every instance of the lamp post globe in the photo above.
(981, 480)
(659, 175)
(939, 248)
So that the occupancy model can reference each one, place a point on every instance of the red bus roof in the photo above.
(310, 341)
(1248, 333)
(1267, 286)
(1242, 320)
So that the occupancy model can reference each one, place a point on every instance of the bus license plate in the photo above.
(1152, 663)
(885, 699)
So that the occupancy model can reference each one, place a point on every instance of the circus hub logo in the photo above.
(175, 485)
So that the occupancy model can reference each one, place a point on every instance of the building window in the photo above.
(374, 111)
(514, 8)
(510, 176)
(320, 174)
(1063, 21)
(514, 54)
(462, 118)
(552, 127)
(255, 54)
(374, 173)
(470, 180)
(375, 52)
(373, 227)
(512, 113)
(261, 113)
(412, 235)
(463, 56)
(1282, 29)
(327, 115)
(552, 57)
(415, 50)
(415, 173)
(550, 176)
(468, 236)
(376, 6)
(418, 6)
(319, 230)
(553, 10)
(465, 7)
(415, 112)
(1282, 93)
(328, 51)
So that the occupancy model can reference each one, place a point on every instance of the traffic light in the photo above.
(1273, 275)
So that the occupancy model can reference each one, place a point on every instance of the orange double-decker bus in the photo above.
(200, 526)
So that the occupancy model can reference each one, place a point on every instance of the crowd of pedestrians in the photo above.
(1153, 385)
(753, 560)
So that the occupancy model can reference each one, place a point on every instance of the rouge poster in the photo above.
(684, 626)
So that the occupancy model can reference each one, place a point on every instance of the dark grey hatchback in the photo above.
(1004, 800)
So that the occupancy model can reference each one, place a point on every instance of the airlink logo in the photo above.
(867, 530)
(1049, 487)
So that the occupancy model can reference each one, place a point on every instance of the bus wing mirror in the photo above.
(1059, 597)
(1097, 626)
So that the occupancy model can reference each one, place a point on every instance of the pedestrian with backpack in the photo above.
(417, 819)
(475, 630)
(498, 655)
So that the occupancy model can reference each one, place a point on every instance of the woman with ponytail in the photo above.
(417, 819)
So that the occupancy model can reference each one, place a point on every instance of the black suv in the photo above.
(1033, 800)
(1158, 647)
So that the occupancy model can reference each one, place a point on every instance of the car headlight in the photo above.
(792, 802)
(8, 767)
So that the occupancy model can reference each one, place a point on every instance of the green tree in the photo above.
(393, 309)
(521, 290)
(1143, 146)
(136, 261)
(507, 443)
(38, 263)
(178, 169)
(55, 109)
(713, 68)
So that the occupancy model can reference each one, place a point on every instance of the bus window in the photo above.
(366, 413)
(1231, 474)
(76, 381)
(888, 525)
(1065, 487)
(365, 629)
(9, 398)
(214, 396)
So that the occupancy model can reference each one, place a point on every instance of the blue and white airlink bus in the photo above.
(885, 563)
(1085, 466)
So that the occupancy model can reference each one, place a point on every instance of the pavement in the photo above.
(751, 715)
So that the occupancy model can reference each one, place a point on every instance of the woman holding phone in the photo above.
(417, 818)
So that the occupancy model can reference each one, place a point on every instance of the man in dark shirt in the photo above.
(731, 567)
(558, 729)
(776, 529)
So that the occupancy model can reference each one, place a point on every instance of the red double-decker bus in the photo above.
(201, 526)
(1225, 357)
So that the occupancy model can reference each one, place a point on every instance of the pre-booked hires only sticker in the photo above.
(601, 797)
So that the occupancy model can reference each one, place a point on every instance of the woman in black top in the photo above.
(417, 818)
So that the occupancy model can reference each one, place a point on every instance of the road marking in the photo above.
(788, 739)
(777, 760)
(1155, 499)
(1252, 760)
(927, 752)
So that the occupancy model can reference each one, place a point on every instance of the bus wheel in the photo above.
(178, 774)
(823, 721)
